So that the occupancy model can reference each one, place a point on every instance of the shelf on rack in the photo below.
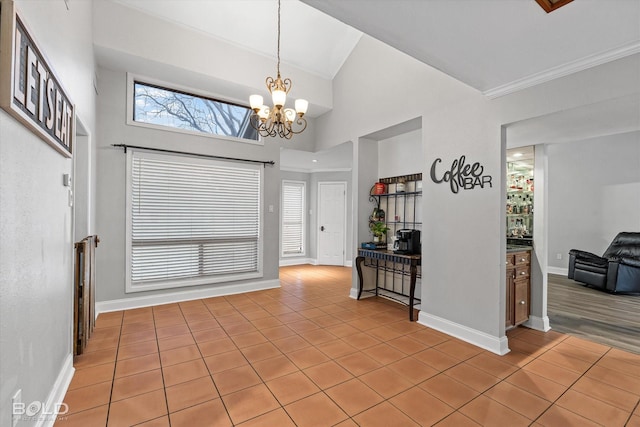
(402, 193)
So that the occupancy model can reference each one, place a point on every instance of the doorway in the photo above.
(331, 222)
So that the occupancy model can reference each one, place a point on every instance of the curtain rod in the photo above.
(162, 150)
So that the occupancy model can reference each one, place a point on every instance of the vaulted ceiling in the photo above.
(495, 46)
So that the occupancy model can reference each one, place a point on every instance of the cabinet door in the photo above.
(521, 301)
(510, 295)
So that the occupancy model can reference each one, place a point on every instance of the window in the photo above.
(293, 200)
(161, 106)
(191, 221)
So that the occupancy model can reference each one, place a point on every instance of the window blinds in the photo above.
(293, 198)
(192, 218)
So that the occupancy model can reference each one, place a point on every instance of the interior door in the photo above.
(331, 222)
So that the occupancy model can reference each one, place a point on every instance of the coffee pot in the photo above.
(407, 242)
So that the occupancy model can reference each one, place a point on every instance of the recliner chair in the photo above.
(617, 270)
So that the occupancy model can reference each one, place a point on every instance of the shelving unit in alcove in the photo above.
(402, 207)
(519, 200)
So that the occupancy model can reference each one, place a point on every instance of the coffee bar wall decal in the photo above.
(29, 89)
(461, 175)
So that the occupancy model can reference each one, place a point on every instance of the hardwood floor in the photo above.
(613, 320)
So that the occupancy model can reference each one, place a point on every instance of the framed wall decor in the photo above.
(29, 89)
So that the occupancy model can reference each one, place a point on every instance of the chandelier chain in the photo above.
(278, 120)
(278, 68)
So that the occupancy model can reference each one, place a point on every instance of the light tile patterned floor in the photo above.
(308, 355)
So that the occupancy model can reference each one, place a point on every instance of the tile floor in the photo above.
(308, 355)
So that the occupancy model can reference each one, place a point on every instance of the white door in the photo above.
(331, 222)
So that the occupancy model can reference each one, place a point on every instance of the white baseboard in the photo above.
(538, 323)
(480, 339)
(558, 270)
(353, 293)
(48, 415)
(168, 298)
(348, 263)
(285, 262)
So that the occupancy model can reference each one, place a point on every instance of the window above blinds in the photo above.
(179, 110)
(293, 224)
(191, 221)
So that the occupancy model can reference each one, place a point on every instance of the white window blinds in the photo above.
(293, 200)
(192, 221)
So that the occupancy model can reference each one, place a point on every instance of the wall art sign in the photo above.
(29, 89)
(461, 175)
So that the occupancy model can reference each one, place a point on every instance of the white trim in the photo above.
(480, 339)
(59, 390)
(296, 261)
(564, 70)
(348, 263)
(168, 298)
(558, 270)
(538, 323)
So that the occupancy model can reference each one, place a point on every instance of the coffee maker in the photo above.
(407, 242)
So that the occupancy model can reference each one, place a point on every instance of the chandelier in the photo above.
(278, 120)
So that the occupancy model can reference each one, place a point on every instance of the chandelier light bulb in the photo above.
(301, 106)
(289, 114)
(279, 97)
(256, 102)
(263, 112)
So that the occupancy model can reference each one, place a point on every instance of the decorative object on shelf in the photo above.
(377, 215)
(379, 230)
(378, 188)
(278, 120)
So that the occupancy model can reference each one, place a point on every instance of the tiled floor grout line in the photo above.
(115, 366)
(164, 384)
(297, 300)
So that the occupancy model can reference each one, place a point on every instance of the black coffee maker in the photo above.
(407, 242)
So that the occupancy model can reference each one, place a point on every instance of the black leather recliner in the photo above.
(617, 270)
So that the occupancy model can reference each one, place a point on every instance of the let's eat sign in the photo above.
(29, 89)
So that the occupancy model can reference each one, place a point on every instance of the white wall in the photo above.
(463, 236)
(400, 155)
(36, 247)
(594, 193)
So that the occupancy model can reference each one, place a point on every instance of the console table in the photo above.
(402, 265)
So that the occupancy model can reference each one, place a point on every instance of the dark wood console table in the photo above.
(402, 265)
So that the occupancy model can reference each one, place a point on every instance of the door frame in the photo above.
(344, 221)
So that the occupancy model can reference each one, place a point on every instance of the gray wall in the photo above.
(594, 193)
(36, 223)
(110, 218)
(313, 179)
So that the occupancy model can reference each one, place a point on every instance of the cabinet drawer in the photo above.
(522, 272)
(522, 258)
(511, 260)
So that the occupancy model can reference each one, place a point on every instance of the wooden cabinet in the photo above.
(518, 287)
